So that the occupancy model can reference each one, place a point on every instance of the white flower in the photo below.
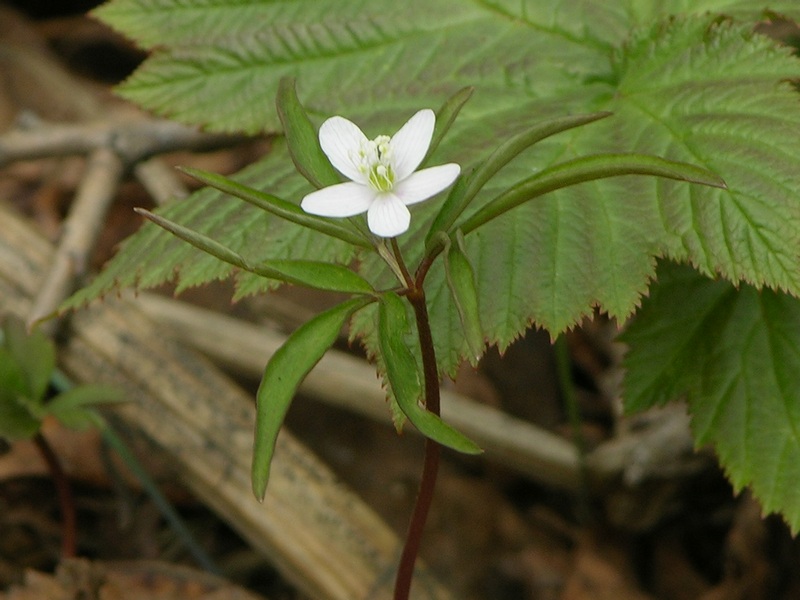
(381, 172)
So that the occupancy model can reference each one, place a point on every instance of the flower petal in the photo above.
(388, 216)
(426, 183)
(340, 139)
(411, 143)
(340, 200)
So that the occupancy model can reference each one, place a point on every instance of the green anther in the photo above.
(378, 157)
(381, 177)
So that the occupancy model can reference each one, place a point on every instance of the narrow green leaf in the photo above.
(302, 138)
(13, 381)
(461, 281)
(403, 373)
(33, 352)
(589, 168)
(198, 240)
(78, 418)
(461, 196)
(16, 420)
(278, 206)
(313, 274)
(73, 407)
(283, 374)
(446, 116)
(734, 353)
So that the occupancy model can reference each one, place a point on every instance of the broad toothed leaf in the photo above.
(686, 81)
(735, 355)
(688, 89)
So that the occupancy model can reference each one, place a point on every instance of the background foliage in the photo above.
(689, 81)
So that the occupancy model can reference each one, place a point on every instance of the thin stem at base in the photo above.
(405, 570)
(427, 485)
(64, 493)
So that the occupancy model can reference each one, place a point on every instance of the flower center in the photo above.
(374, 159)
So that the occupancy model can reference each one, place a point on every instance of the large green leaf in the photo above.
(688, 89)
(687, 80)
(735, 355)
(218, 63)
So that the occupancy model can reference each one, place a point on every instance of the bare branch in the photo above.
(132, 139)
(80, 231)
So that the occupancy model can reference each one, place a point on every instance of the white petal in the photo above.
(340, 200)
(426, 183)
(388, 216)
(411, 143)
(340, 139)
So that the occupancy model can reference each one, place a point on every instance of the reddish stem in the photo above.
(64, 493)
(405, 571)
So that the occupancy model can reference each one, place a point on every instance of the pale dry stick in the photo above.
(662, 448)
(33, 138)
(80, 231)
(348, 382)
(115, 141)
(320, 535)
(118, 145)
(160, 181)
(351, 383)
(132, 138)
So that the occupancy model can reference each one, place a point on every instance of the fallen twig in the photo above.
(132, 139)
(79, 232)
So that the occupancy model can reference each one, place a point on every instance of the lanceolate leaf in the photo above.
(461, 281)
(285, 371)
(33, 352)
(445, 117)
(462, 195)
(403, 373)
(75, 406)
(154, 256)
(735, 355)
(277, 206)
(582, 170)
(16, 420)
(302, 138)
(313, 274)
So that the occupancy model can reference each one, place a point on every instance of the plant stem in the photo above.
(64, 493)
(567, 387)
(405, 571)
